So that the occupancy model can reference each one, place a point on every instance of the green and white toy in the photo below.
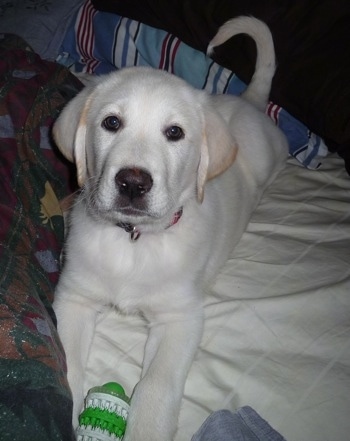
(105, 413)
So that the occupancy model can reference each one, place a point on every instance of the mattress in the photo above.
(277, 329)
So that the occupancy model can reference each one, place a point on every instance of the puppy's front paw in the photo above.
(153, 413)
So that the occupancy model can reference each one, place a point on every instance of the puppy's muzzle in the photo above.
(133, 184)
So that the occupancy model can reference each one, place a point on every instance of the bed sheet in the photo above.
(277, 332)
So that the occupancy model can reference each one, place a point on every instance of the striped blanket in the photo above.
(100, 42)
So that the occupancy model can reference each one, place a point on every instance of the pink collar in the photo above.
(135, 233)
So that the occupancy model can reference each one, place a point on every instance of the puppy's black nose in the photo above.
(133, 182)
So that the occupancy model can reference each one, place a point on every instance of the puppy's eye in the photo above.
(111, 123)
(174, 133)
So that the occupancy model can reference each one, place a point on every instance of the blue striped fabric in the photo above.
(100, 42)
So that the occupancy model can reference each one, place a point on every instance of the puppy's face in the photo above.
(143, 149)
(141, 145)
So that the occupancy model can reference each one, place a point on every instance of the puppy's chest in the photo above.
(129, 274)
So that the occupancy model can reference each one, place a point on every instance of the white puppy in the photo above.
(170, 176)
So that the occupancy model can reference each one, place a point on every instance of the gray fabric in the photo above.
(243, 425)
(41, 23)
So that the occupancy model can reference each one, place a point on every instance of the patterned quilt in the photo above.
(35, 402)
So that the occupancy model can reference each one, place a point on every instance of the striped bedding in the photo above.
(100, 42)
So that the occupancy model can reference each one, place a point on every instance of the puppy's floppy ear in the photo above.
(69, 131)
(218, 150)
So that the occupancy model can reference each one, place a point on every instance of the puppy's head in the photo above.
(144, 142)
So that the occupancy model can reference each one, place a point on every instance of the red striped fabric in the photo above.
(273, 111)
(168, 53)
(85, 35)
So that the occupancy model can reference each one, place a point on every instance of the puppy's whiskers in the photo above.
(90, 194)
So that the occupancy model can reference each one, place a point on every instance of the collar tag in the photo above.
(134, 235)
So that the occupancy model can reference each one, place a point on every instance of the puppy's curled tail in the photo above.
(259, 88)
